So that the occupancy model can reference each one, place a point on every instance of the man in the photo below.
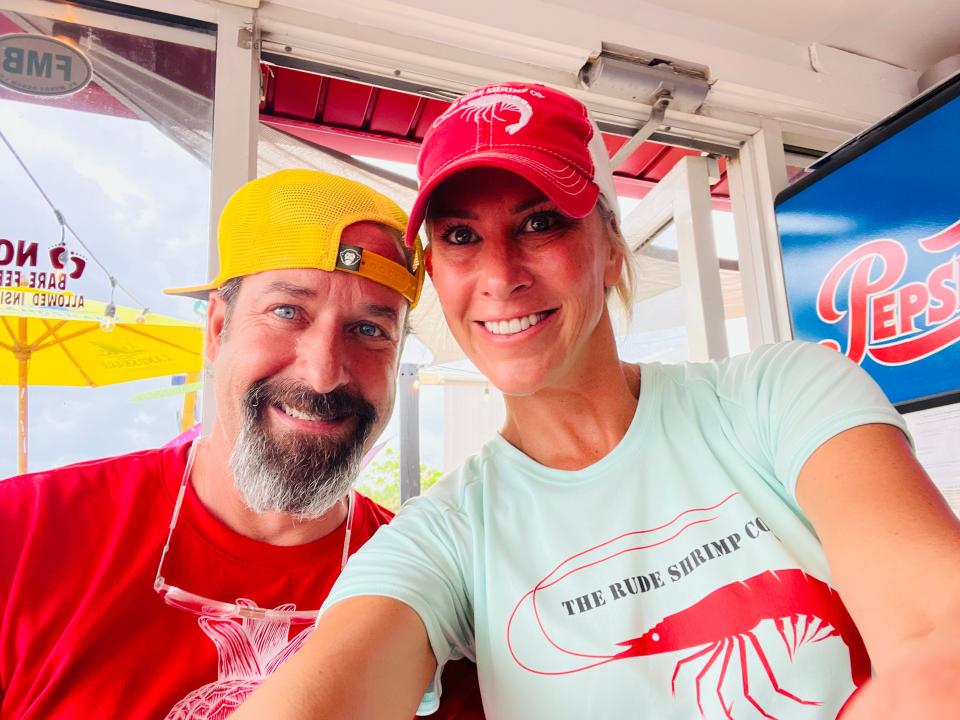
(169, 583)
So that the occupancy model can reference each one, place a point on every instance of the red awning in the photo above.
(360, 119)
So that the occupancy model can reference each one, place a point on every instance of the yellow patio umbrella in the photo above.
(56, 338)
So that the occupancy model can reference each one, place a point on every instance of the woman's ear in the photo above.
(614, 267)
(615, 245)
(428, 260)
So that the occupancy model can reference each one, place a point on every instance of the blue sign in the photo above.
(871, 253)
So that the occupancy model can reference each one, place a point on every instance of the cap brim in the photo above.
(199, 292)
(577, 199)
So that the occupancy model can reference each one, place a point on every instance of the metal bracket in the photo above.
(248, 38)
(653, 123)
(713, 170)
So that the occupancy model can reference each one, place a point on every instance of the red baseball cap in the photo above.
(543, 135)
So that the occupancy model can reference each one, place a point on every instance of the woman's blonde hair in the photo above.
(625, 285)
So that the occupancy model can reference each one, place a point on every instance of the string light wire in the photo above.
(64, 226)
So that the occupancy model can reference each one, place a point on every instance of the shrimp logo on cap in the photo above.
(486, 108)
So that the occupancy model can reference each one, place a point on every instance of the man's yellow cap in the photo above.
(294, 219)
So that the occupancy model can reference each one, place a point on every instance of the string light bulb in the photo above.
(60, 253)
(109, 320)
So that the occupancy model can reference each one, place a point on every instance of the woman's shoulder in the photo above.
(775, 358)
(768, 371)
(461, 487)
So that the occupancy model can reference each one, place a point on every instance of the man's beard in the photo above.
(302, 474)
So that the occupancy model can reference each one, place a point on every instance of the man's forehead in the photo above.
(309, 285)
(305, 281)
(376, 238)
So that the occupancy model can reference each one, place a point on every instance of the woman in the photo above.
(639, 540)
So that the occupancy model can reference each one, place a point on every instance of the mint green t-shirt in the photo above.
(674, 578)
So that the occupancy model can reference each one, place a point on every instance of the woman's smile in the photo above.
(516, 325)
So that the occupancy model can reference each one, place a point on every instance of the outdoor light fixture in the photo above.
(631, 74)
(661, 83)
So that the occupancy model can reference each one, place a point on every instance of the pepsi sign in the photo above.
(871, 252)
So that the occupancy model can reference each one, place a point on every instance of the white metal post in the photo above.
(684, 196)
(756, 175)
(408, 392)
(697, 258)
(236, 101)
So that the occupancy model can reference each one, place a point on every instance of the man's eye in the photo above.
(370, 330)
(285, 312)
(540, 222)
(459, 235)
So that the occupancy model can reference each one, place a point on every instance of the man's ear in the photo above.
(216, 319)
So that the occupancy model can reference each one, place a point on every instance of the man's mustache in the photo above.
(337, 404)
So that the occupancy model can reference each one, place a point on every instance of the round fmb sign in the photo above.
(41, 65)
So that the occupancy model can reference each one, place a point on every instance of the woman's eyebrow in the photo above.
(451, 213)
(527, 204)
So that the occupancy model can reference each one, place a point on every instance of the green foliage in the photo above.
(380, 480)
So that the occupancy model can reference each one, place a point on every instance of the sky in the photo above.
(140, 204)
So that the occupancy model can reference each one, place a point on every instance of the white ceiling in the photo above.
(912, 35)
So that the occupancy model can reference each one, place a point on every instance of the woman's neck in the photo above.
(574, 426)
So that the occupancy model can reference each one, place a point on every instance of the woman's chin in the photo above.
(515, 382)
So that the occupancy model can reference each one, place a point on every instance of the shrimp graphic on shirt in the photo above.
(248, 651)
(721, 641)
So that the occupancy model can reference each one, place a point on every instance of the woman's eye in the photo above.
(369, 330)
(459, 235)
(285, 312)
(540, 222)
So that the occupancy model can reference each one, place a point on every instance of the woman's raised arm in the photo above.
(893, 546)
(368, 659)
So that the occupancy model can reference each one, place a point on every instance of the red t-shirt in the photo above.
(84, 635)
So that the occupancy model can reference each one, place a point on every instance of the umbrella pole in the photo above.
(189, 404)
(22, 419)
(23, 359)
